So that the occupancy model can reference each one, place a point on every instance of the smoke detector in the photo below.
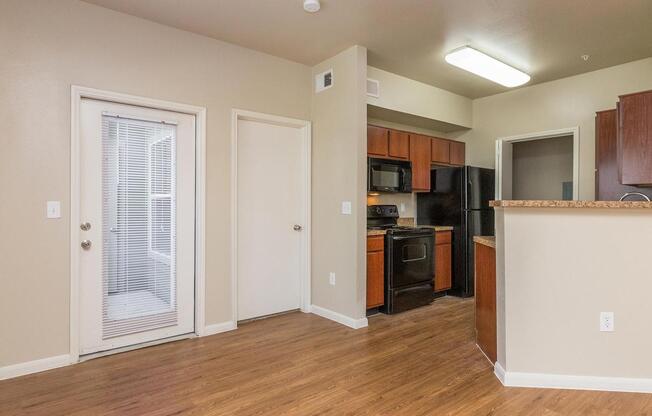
(311, 6)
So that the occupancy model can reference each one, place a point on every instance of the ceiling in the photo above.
(545, 38)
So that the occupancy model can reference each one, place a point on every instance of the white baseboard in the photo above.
(36, 366)
(338, 317)
(560, 381)
(499, 371)
(218, 328)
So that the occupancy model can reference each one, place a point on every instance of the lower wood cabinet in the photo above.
(485, 299)
(443, 260)
(375, 271)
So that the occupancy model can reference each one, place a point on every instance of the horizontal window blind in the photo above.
(138, 209)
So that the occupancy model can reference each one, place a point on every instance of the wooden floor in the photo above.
(422, 362)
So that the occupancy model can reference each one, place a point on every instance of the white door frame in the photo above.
(306, 128)
(76, 95)
(549, 134)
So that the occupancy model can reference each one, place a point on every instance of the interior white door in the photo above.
(271, 189)
(137, 251)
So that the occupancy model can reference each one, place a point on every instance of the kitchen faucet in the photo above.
(626, 194)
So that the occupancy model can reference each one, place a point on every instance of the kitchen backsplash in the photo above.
(406, 203)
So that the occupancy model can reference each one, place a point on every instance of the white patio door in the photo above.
(136, 237)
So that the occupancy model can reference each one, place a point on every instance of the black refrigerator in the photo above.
(459, 197)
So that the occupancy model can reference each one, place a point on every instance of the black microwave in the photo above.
(385, 175)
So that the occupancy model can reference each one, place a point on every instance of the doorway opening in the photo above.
(538, 166)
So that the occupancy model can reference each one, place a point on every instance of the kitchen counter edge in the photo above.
(570, 204)
(486, 240)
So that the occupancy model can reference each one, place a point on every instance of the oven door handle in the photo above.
(407, 237)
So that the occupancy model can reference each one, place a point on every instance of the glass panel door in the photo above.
(139, 205)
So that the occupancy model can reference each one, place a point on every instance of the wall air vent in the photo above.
(324, 81)
(373, 87)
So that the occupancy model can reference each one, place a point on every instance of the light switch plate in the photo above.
(346, 207)
(54, 209)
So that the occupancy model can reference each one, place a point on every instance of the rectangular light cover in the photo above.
(485, 66)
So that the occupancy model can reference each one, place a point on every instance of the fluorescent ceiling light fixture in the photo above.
(485, 66)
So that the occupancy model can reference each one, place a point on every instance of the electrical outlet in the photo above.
(607, 321)
(402, 208)
(346, 207)
(331, 278)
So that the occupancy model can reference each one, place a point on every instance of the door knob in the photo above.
(86, 244)
(85, 226)
(297, 227)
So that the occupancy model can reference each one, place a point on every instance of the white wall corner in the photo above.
(499, 371)
(36, 366)
(339, 318)
(218, 328)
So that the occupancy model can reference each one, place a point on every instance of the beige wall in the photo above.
(557, 270)
(45, 46)
(412, 97)
(539, 167)
(567, 102)
(339, 165)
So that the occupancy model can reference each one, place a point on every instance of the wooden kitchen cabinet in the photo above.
(440, 151)
(607, 184)
(447, 152)
(443, 260)
(457, 153)
(399, 145)
(420, 157)
(634, 138)
(375, 271)
(377, 141)
(485, 299)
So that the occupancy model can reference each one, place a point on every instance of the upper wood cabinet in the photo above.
(441, 151)
(607, 184)
(399, 144)
(635, 138)
(420, 157)
(377, 141)
(447, 152)
(458, 153)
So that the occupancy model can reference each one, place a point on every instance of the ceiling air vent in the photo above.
(373, 88)
(324, 81)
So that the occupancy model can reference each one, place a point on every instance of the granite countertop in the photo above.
(376, 232)
(570, 204)
(487, 240)
(438, 227)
